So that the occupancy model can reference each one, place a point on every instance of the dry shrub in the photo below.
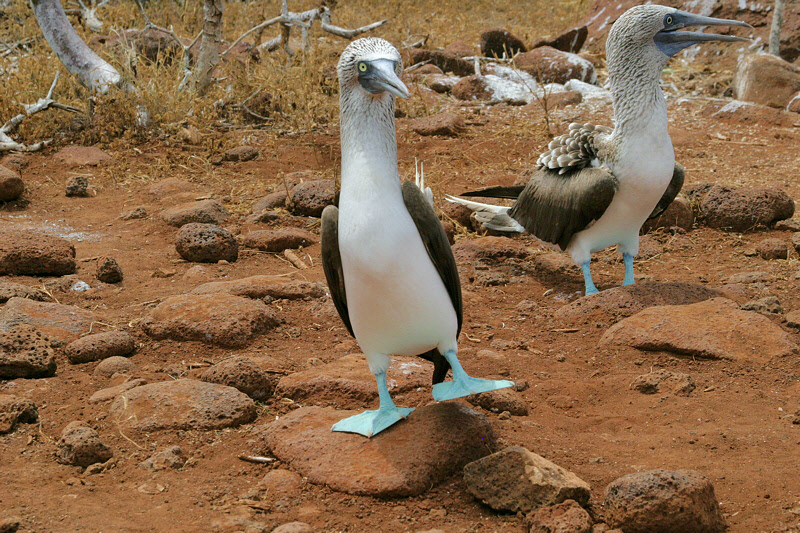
(267, 91)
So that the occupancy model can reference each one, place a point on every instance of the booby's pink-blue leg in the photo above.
(463, 384)
(371, 423)
(587, 279)
(628, 260)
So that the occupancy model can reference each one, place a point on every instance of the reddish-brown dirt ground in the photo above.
(583, 414)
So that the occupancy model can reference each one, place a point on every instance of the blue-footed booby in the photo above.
(390, 270)
(595, 186)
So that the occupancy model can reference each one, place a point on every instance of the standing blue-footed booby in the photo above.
(595, 186)
(390, 269)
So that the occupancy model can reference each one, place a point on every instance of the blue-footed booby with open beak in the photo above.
(389, 266)
(595, 186)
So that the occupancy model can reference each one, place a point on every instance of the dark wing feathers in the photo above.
(435, 240)
(672, 191)
(332, 263)
(511, 192)
(554, 207)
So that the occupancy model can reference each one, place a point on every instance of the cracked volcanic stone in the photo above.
(661, 501)
(311, 197)
(80, 445)
(714, 329)
(206, 243)
(25, 353)
(516, 479)
(406, 459)
(218, 319)
(743, 208)
(108, 270)
(11, 185)
(10, 290)
(100, 346)
(31, 253)
(182, 404)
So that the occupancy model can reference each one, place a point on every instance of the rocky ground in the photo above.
(170, 359)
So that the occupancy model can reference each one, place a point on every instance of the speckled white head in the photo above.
(371, 65)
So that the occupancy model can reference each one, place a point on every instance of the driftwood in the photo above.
(9, 144)
(93, 72)
(288, 19)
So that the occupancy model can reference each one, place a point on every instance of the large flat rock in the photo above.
(264, 286)
(715, 329)
(612, 305)
(350, 378)
(182, 404)
(61, 322)
(218, 319)
(32, 253)
(407, 459)
(25, 353)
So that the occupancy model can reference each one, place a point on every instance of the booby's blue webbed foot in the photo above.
(587, 279)
(463, 384)
(628, 260)
(371, 423)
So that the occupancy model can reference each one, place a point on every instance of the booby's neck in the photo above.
(639, 104)
(369, 145)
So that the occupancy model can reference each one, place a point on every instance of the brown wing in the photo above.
(555, 207)
(672, 191)
(332, 263)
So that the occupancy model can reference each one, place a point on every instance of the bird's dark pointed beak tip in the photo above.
(671, 41)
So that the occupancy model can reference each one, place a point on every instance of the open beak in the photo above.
(381, 77)
(671, 41)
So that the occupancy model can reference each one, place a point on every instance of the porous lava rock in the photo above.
(98, 346)
(32, 253)
(499, 42)
(260, 287)
(61, 322)
(108, 270)
(206, 243)
(565, 517)
(80, 445)
(765, 79)
(203, 211)
(242, 374)
(549, 65)
(16, 410)
(182, 404)
(742, 208)
(278, 240)
(516, 479)
(11, 185)
(311, 197)
(663, 501)
(712, 329)
(25, 353)
(406, 459)
(217, 319)
(446, 124)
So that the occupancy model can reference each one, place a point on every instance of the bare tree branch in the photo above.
(209, 56)
(775, 31)
(89, 15)
(92, 71)
(288, 19)
(9, 144)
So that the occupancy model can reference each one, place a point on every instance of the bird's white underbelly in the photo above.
(644, 174)
(397, 302)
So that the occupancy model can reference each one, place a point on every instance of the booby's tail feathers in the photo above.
(494, 217)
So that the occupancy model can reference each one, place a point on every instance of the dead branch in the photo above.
(209, 56)
(9, 144)
(775, 30)
(93, 72)
(289, 19)
(89, 15)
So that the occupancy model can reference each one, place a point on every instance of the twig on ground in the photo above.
(8, 144)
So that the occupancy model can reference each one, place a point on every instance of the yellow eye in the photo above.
(669, 20)
(362, 67)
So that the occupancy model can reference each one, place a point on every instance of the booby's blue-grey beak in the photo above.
(671, 41)
(381, 75)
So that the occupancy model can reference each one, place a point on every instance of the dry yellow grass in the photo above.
(298, 96)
